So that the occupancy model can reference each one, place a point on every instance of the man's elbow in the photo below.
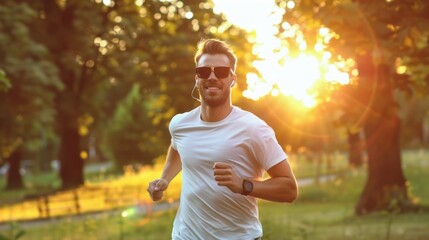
(290, 195)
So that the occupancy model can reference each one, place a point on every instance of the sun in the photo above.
(280, 72)
(294, 78)
(291, 76)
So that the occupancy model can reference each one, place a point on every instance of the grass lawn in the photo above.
(326, 212)
(322, 211)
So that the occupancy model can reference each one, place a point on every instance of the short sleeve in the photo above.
(172, 127)
(266, 149)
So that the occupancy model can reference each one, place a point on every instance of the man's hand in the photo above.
(225, 176)
(156, 189)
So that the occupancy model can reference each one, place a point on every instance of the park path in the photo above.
(143, 210)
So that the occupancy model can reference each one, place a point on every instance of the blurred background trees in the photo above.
(388, 40)
(99, 80)
(112, 74)
(27, 101)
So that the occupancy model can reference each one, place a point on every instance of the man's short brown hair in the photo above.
(215, 46)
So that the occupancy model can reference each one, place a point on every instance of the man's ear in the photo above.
(234, 79)
(232, 83)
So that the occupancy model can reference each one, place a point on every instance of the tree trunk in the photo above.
(60, 26)
(71, 169)
(355, 149)
(14, 178)
(386, 187)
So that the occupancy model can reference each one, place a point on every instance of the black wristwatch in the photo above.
(247, 187)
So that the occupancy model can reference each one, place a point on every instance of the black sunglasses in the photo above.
(220, 72)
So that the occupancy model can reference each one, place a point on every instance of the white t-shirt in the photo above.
(208, 211)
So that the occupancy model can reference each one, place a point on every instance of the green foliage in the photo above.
(87, 56)
(5, 84)
(131, 137)
(26, 109)
(15, 232)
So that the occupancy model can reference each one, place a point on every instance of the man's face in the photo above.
(214, 91)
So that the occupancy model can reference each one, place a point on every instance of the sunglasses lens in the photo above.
(203, 72)
(221, 72)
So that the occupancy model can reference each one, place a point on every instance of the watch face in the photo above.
(247, 187)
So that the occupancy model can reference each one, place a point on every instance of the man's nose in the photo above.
(212, 76)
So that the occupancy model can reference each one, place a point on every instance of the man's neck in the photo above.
(215, 114)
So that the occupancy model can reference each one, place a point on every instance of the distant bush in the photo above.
(130, 137)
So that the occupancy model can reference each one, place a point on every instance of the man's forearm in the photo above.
(277, 189)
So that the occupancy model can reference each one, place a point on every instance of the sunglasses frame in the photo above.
(213, 70)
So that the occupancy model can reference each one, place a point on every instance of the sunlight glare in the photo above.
(109, 3)
(280, 72)
(401, 69)
(242, 12)
(298, 75)
(309, 102)
(290, 4)
(334, 75)
(257, 88)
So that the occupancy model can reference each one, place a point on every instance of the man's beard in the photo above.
(216, 101)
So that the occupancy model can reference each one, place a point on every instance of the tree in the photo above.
(132, 137)
(101, 48)
(380, 36)
(26, 99)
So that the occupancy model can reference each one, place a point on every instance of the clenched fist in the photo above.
(156, 189)
(225, 176)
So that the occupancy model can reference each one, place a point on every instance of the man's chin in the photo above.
(214, 102)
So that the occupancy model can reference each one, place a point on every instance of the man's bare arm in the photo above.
(280, 187)
(173, 165)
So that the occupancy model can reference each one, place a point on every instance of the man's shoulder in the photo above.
(185, 116)
(248, 117)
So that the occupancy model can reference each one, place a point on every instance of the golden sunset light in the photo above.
(237, 119)
(280, 72)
